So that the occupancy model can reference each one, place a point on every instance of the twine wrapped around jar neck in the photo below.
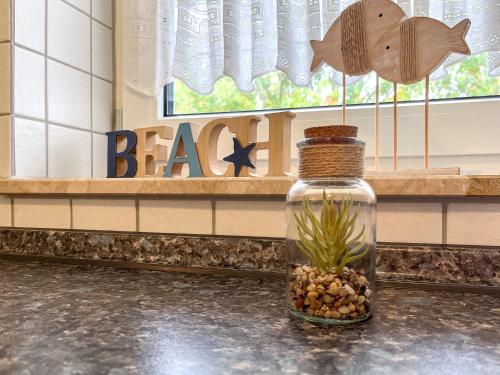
(331, 151)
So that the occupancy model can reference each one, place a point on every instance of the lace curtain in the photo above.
(200, 41)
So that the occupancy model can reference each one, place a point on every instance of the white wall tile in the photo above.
(102, 51)
(30, 24)
(418, 222)
(29, 84)
(102, 10)
(82, 4)
(30, 154)
(100, 154)
(102, 105)
(69, 152)
(68, 35)
(473, 224)
(68, 95)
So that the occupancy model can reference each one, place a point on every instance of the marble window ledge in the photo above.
(385, 186)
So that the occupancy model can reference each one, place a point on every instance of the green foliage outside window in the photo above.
(274, 91)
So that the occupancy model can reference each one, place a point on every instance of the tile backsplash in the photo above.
(61, 52)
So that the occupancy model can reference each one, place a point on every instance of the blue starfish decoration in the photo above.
(240, 157)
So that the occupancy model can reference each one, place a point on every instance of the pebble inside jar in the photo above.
(331, 213)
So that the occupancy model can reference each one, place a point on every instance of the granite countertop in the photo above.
(70, 319)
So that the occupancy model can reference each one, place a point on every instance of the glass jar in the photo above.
(331, 226)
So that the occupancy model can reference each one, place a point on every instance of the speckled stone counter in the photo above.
(67, 319)
(438, 264)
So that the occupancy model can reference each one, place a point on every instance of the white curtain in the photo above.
(199, 41)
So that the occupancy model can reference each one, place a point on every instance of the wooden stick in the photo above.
(426, 123)
(395, 126)
(343, 100)
(377, 123)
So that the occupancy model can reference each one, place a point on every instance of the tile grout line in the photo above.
(46, 49)
(12, 212)
(87, 14)
(60, 62)
(12, 90)
(212, 204)
(91, 94)
(31, 118)
(137, 217)
(71, 213)
(444, 223)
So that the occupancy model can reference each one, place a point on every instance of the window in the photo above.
(468, 79)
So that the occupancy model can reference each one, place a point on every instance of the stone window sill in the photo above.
(388, 186)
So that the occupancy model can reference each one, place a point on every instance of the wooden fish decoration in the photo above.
(347, 44)
(414, 49)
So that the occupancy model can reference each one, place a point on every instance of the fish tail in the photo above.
(317, 58)
(457, 40)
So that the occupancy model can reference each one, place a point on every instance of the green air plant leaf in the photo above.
(329, 242)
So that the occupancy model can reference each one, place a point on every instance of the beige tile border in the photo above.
(425, 221)
(52, 213)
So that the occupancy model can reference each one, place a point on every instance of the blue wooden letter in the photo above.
(114, 155)
(183, 151)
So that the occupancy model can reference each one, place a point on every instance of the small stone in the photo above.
(353, 315)
(315, 304)
(333, 290)
(311, 287)
(299, 303)
(320, 289)
(343, 292)
(312, 294)
(336, 314)
(299, 291)
(310, 311)
(349, 289)
(307, 301)
(339, 302)
(328, 314)
(368, 293)
(362, 280)
(319, 313)
(328, 299)
(351, 307)
(355, 298)
(361, 300)
(344, 310)
(361, 309)
(312, 276)
(324, 307)
(329, 278)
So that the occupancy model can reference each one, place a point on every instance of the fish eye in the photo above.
(387, 47)
(380, 15)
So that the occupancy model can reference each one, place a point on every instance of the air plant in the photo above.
(329, 242)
